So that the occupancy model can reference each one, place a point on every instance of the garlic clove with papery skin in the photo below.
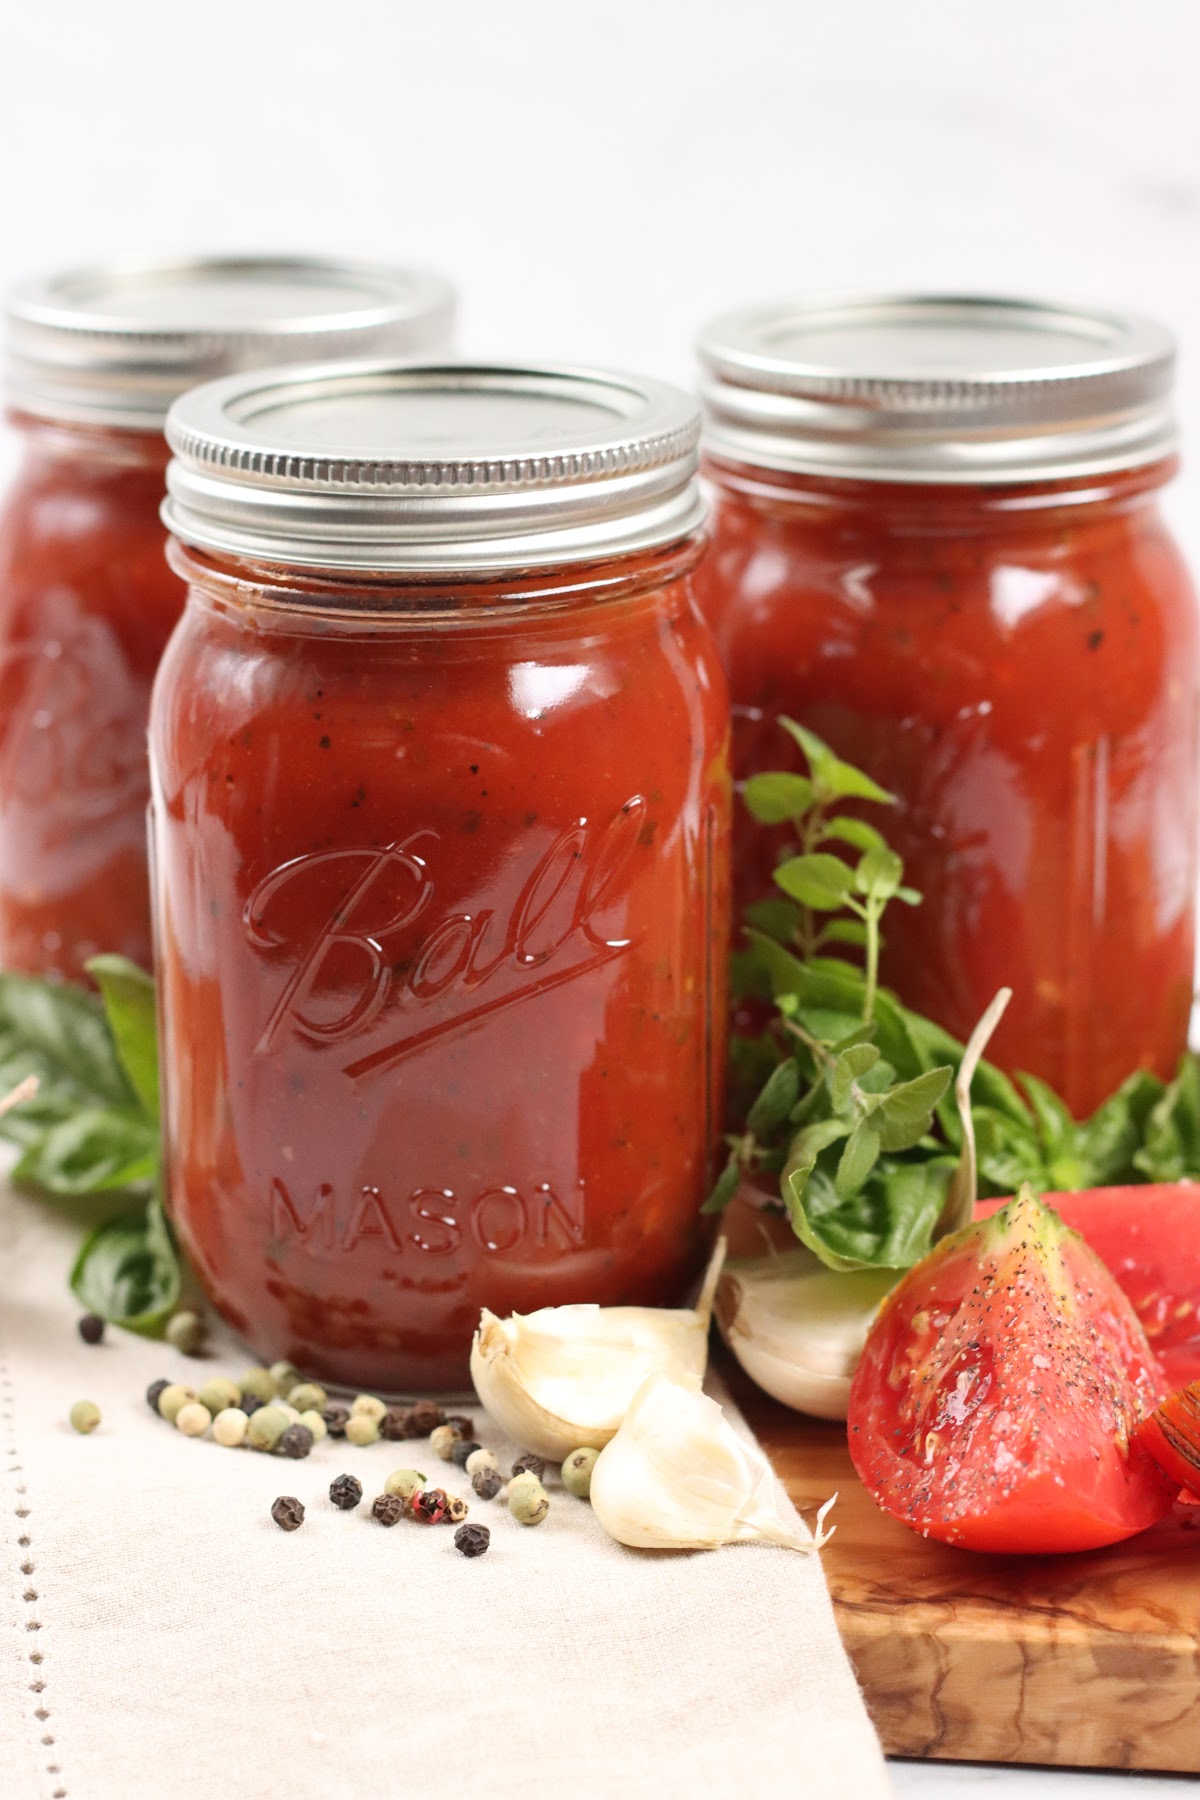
(562, 1378)
(677, 1476)
(797, 1327)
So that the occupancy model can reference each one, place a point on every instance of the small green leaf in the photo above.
(1110, 1139)
(855, 832)
(774, 915)
(906, 1113)
(834, 779)
(724, 1188)
(1056, 1127)
(857, 1159)
(776, 1100)
(845, 931)
(776, 798)
(879, 874)
(128, 996)
(63, 1028)
(846, 1070)
(818, 881)
(1171, 1151)
(128, 1272)
(91, 1151)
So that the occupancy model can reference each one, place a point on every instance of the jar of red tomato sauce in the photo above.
(86, 598)
(938, 543)
(441, 797)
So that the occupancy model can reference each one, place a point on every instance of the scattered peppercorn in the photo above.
(487, 1483)
(345, 1491)
(251, 1403)
(219, 1393)
(404, 1483)
(307, 1396)
(465, 1427)
(463, 1451)
(186, 1332)
(394, 1424)
(480, 1459)
(193, 1419)
(429, 1506)
(172, 1397)
(91, 1328)
(289, 1411)
(388, 1509)
(260, 1383)
(368, 1406)
(285, 1375)
(472, 1540)
(528, 1501)
(456, 1509)
(154, 1393)
(314, 1422)
(266, 1428)
(287, 1512)
(230, 1426)
(335, 1416)
(423, 1417)
(295, 1442)
(529, 1464)
(577, 1472)
(442, 1441)
(85, 1416)
(362, 1429)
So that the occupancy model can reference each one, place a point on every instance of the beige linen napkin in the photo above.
(161, 1637)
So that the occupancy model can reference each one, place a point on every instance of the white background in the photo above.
(599, 179)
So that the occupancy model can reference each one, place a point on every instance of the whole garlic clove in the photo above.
(798, 1328)
(677, 1476)
(562, 1378)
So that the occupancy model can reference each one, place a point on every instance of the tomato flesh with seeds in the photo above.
(998, 1395)
(1149, 1238)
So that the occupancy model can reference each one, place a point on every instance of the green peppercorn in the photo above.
(528, 1501)
(487, 1483)
(260, 1383)
(361, 1429)
(442, 1441)
(577, 1472)
(230, 1426)
(173, 1396)
(308, 1396)
(368, 1406)
(472, 1540)
(389, 1509)
(285, 1375)
(219, 1393)
(287, 1512)
(91, 1328)
(85, 1416)
(266, 1427)
(295, 1442)
(345, 1491)
(288, 1410)
(154, 1392)
(404, 1483)
(193, 1419)
(186, 1332)
(480, 1459)
(314, 1422)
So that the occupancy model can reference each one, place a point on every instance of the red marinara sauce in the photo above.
(441, 849)
(87, 600)
(937, 542)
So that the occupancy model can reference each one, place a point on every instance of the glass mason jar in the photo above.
(441, 796)
(87, 601)
(937, 542)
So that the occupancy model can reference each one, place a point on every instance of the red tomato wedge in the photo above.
(1171, 1435)
(1149, 1237)
(999, 1390)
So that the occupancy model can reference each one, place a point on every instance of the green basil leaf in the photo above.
(1055, 1124)
(820, 882)
(834, 779)
(128, 1272)
(888, 1224)
(1172, 1148)
(724, 1188)
(906, 1113)
(63, 1031)
(776, 1100)
(91, 1151)
(855, 832)
(774, 799)
(850, 1065)
(128, 996)
(858, 1158)
(1110, 1139)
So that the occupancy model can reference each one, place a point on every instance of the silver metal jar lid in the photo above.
(934, 388)
(114, 344)
(437, 467)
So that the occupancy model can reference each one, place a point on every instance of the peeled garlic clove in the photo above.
(562, 1378)
(798, 1328)
(677, 1476)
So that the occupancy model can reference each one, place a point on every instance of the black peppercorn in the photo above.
(487, 1483)
(423, 1418)
(461, 1451)
(335, 1416)
(250, 1403)
(91, 1328)
(345, 1491)
(472, 1540)
(528, 1462)
(388, 1509)
(152, 1393)
(465, 1427)
(287, 1512)
(295, 1442)
(394, 1423)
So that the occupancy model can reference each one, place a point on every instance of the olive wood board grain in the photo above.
(1089, 1661)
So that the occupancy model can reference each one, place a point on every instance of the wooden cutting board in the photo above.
(1088, 1661)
